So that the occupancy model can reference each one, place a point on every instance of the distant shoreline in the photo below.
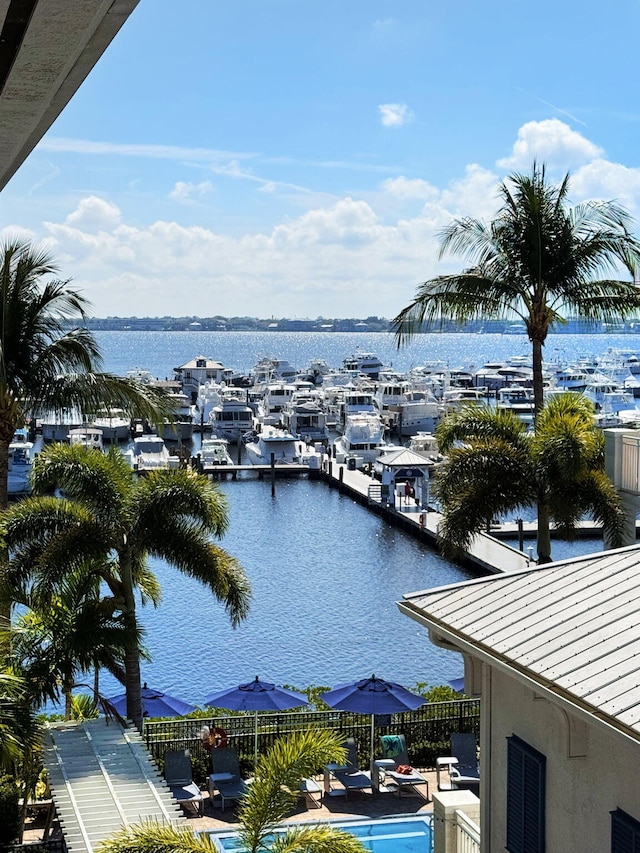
(328, 325)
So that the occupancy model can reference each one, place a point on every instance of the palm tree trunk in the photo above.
(544, 533)
(538, 382)
(132, 654)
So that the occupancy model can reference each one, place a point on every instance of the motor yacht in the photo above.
(285, 448)
(87, 437)
(215, 451)
(148, 453)
(21, 458)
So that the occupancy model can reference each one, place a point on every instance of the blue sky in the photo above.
(297, 158)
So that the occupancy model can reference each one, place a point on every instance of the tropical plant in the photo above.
(270, 798)
(67, 631)
(113, 520)
(47, 362)
(535, 261)
(495, 466)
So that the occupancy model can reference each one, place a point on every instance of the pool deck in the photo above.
(360, 804)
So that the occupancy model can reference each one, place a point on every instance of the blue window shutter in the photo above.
(525, 798)
(625, 833)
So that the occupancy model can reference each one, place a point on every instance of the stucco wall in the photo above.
(589, 770)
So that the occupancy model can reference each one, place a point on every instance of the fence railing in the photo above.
(467, 834)
(427, 730)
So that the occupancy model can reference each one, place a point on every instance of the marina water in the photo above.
(326, 573)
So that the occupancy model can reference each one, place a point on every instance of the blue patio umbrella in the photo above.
(256, 696)
(372, 696)
(457, 684)
(155, 703)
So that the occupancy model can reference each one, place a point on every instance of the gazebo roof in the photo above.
(103, 778)
(404, 458)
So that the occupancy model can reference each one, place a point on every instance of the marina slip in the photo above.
(326, 572)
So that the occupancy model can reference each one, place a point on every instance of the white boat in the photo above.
(363, 362)
(517, 400)
(426, 444)
(56, 426)
(215, 451)
(87, 437)
(115, 426)
(276, 397)
(148, 453)
(305, 418)
(21, 457)
(181, 427)
(455, 398)
(285, 447)
(363, 439)
(232, 417)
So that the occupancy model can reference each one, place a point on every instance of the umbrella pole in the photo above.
(255, 745)
(373, 727)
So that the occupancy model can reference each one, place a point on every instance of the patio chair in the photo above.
(178, 775)
(462, 764)
(311, 791)
(394, 748)
(225, 778)
(350, 776)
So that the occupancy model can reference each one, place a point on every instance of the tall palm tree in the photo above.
(535, 261)
(270, 798)
(115, 520)
(64, 633)
(47, 361)
(495, 466)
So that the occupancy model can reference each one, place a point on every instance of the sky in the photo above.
(295, 158)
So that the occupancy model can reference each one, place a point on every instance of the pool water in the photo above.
(386, 835)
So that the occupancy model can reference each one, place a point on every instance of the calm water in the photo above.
(160, 352)
(326, 573)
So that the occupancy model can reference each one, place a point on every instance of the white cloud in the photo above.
(185, 191)
(405, 188)
(94, 214)
(552, 142)
(163, 152)
(395, 115)
(336, 255)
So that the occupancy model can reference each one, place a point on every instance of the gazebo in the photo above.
(406, 466)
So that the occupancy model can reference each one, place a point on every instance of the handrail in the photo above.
(467, 834)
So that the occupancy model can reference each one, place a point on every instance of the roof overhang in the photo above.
(47, 48)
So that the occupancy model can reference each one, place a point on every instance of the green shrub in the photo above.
(9, 810)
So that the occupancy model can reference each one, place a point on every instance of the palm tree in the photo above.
(495, 466)
(114, 520)
(270, 798)
(66, 632)
(534, 261)
(48, 364)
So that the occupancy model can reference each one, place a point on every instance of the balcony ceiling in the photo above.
(47, 48)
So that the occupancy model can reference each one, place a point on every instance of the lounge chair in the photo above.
(394, 747)
(178, 774)
(312, 793)
(225, 778)
(350, 776)
(465, 772)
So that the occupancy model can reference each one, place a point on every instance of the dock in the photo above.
(486, 553)
(222, 472)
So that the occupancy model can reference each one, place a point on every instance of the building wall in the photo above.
(590, 771)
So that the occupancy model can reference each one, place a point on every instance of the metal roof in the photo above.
(102, 778)
(570, 627)
(404, 458)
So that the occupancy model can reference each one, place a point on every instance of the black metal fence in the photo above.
(427, 730)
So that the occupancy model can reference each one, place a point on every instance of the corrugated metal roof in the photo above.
(102, 778)
(404, 458)
(573, 627)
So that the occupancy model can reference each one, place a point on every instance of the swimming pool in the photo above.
(404, 834)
